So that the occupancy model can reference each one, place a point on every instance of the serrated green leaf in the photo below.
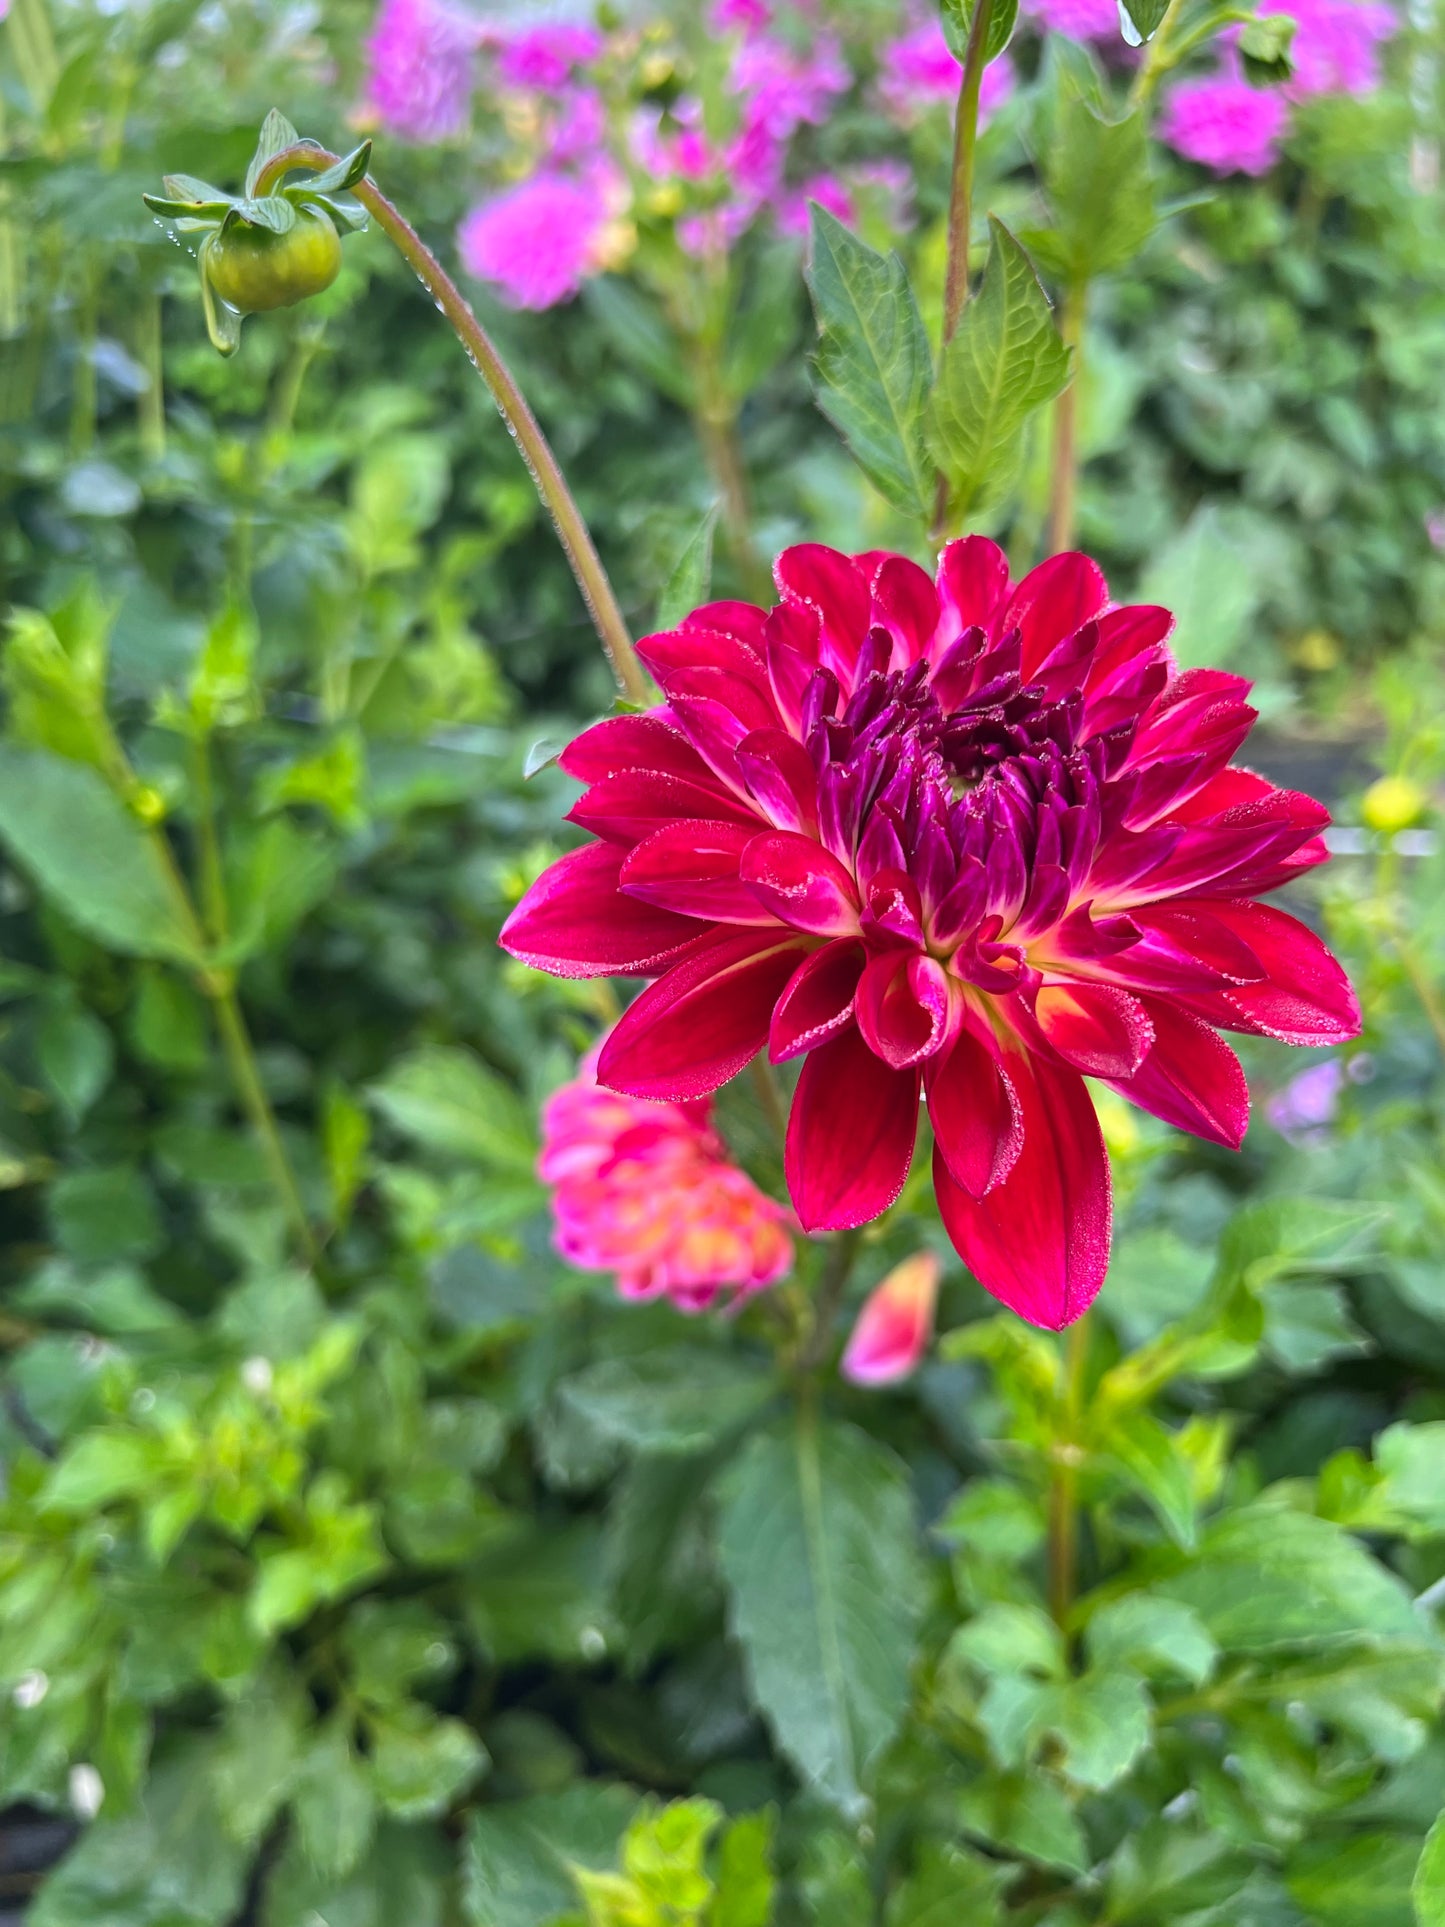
(1005, 360)
(818, 1546)
(276, 134)
(100, 868)
(449, 1101)
(946, 1889)
(272, 211)
(1152, 1636)
(1099, 191)
(687, 583)
(342, 174)
(1427, 1889)
(873, 365)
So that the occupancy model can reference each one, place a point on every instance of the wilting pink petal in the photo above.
(895, 1324)
(966, 833)
(1039, 1241)
(646, 1190)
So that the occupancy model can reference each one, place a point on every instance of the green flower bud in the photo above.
(254, 269)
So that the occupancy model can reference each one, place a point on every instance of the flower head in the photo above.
(544, 57)
(895, 1324)
(962, 838)
(1077, 19)
(645, 1190)
(420, 68)
(1225, 124)
(539, 241)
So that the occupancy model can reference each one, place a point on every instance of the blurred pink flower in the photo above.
(577, 126)
(539, 241)
(918, 71)
(828, 191)
(1225, 124)
(419, 61)
(1076, 19)
(751, 15)
(1335, 49)
(646, 1190)
(545, 57)
(785, 90)
(1435, 528)
(895, 1324)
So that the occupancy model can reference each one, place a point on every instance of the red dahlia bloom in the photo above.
(964, 839)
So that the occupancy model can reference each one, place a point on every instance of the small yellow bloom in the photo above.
(1393, 803)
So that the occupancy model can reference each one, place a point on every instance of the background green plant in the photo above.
(358, 1561)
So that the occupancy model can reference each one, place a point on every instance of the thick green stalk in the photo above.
(965, 140)
(1063, 1539)
(522, 424)
(1064, 476)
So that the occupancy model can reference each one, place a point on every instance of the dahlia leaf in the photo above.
(1005, 361)
(1099, 191)
(873, 367)
(687, 584)
(1146, 15)
(958, 23)
(519, 1854)
(681, 1399)
(819, 1550)
(277, 134)
(1428, 1888)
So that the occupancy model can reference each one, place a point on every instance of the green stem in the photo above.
(213, 879)
(1155, 64)
(1063, 1540)
(1064, 479)
(241, 1056)
(536, 451)
(837, 1268)
(151, 402)
(965, 140)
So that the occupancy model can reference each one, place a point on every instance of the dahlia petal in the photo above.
(1039, 1241)
(575, 922)
(1190, 1078)
(829, 582)
(903, 1007)
(818, 999)
(972, 583)
(906, 601)
(801, 884)
(791, 648)
(624, 743)
(1095, 1028)
(704, 1021)
(692, 868)
(780, 777)
(631, 804)
(895, 909)
(895, 1324)
(850, 1135)
(744, 620)
(1304, 996)
(670, 655)
(977, 1121)
(1051, 602)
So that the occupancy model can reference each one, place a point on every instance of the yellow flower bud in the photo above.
(1393, 803)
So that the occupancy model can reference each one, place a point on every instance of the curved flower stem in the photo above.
(1064, 478)
(965, 139)
(1063, 1542)
(522, 424)
(837, 1268)
(1155, 64)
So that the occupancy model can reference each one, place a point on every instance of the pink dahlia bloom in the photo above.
(420, 68)
(645, 1190)
(539, 241)
(963, 838)
(1225, 124)
(895, 1324)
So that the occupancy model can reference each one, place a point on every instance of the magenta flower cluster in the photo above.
(1231, 127)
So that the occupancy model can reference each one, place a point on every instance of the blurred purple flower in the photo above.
(539, 241)
(1435, 528)
(1304, 1109)
(1075, 19)
(545, 57)
(420, 68)
(1224, 124)
(783, 90)
(828, 191)
(1336, 42)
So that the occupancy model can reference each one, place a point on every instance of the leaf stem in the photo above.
(522, 424)
(1063, 1538)
(965, 139)
(1064, 477)
(1154, 65)
(837, 1268)
(241, 1057)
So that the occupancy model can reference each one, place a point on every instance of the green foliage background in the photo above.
(426, 1583)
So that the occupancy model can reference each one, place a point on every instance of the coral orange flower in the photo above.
(962, 839)
(646, 1190)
